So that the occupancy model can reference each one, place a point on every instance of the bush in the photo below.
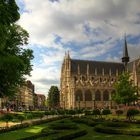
(7, 117)
(88, 112)
(86, 121)
(131, 113)
(29, 116)
(63, 125)
(116, 124)
(42, 134)
(119, 112)
(110, 130)
(24, 125)
(70, 136)
(106, 112)
(20, 118)
(96, 112)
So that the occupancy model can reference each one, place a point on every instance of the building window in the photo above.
(97, 95)
(78, 95)
(105, 95)
(88, 95)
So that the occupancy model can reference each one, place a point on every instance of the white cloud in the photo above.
(67, 17)
(80, 22)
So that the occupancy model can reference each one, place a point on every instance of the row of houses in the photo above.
(24, 99)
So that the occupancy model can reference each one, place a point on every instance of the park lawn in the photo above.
(121, 117)
(22, 133)
(92, 135)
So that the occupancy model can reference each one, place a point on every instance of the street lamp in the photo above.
(79, 102)
(93, 102)
(110, 100)
(64, 102)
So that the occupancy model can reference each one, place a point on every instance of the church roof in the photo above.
(95, 66)
(130, 64)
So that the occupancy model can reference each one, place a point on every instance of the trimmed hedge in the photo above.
(40, 135)
(112, 130)
(24, 125)
(71, 135)
(116, 124)
(60, 126)
(86, 121)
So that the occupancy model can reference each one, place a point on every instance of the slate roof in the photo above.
(130, 64)
(98, 65)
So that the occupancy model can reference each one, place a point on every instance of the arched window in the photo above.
(113, 93)
(83, 78)
(88, 95)
(106, 95)
(97, 95)
(78, 95)
(75, 78)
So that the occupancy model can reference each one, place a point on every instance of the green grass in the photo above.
(22, 133)
(91, 135)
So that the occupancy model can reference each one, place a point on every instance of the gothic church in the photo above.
(90, 84)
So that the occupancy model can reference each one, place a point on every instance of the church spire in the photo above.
(125, 58)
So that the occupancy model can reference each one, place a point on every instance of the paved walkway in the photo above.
(3, 124)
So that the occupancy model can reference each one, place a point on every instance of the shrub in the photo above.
(7, 118)
(88, 112)
(96, 112)
(72, 112)
(42, 134)
(116, 124)
(24, 125)
(29, 116)
(110, 130)
(106, 112)
(61, 125)
(131, 113)
(70, 136)
(119, 112)
(86, 121)
(21, 118)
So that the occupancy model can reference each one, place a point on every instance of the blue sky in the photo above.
(89, 29)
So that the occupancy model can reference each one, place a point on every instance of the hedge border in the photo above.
(112, 130)
(71, 135)
(25, 125)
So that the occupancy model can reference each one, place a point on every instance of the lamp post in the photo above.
(79, 102)
(93, 102)
(64, 102)
(110, 100)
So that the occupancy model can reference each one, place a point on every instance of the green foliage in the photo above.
(63, 125)
(21, 118)
(96, 112)
(119, 112)
(15, 60)
(29, 116)
(71, 135)
(106, 112)
(115, 128)
(53, 97)
(86, 121)
(7, 117)
(131, 113)
(125, 90)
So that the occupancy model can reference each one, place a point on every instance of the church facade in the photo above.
(90, 84)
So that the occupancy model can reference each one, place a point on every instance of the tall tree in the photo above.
(126, 91)
(53, 97)
(15, 61)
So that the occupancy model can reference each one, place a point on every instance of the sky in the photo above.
(88, 29)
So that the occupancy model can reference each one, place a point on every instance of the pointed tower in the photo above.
(65, 81)
(125, 58)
